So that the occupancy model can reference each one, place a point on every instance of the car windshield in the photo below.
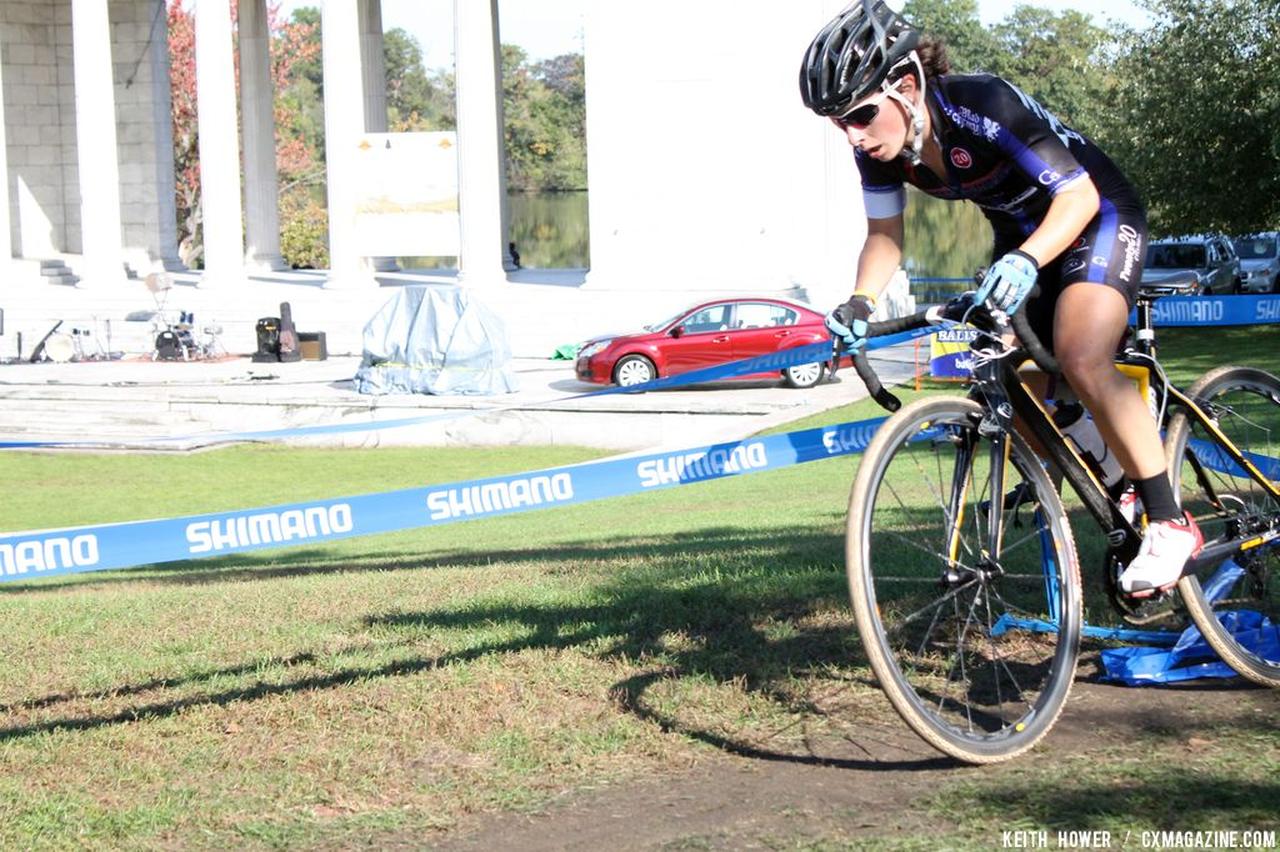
(1256, 248)
(1175, 256)
(713, 318)
(658, 326)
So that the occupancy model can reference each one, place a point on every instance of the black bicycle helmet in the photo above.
(851, 56)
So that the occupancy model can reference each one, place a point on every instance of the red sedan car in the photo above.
(705, 335)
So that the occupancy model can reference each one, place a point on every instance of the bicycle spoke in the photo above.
(936, 593)
(1230, 504)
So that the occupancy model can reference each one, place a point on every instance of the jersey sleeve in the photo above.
(1031, 136)
(883, 194)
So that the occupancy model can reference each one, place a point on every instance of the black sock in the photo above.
(1157, 498)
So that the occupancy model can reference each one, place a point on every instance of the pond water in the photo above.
(943, 239)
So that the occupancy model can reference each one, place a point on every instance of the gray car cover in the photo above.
(436, 340)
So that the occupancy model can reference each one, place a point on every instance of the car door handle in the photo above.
(784, 334)
(724, 338)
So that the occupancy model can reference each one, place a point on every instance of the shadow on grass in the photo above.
(723, 604)
(1166, 797)
(800, 542)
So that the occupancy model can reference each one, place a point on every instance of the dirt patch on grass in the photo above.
(873, 786)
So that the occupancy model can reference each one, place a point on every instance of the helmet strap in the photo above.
(917, 114)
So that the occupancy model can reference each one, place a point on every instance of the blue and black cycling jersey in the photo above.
(1003, 151)
(1010, 156)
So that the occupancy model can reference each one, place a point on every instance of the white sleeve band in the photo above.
(884, 203)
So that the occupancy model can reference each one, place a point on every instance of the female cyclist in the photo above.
(1061, 212)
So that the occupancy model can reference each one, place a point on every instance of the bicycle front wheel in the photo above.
(964, 580)
(1236, 605)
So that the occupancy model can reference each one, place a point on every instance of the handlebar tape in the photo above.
(1027, 337)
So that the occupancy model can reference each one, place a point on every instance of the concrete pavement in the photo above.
(130, 404)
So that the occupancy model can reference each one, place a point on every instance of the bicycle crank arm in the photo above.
(1213, 554)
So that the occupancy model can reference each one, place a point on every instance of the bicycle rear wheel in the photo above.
(970, 615)
(1236, 605)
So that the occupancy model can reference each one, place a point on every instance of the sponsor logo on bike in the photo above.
(498, 496)
(55, 553)
(960, 158)
(268, 528)
(691, 467)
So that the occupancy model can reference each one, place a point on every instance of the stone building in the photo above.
(706, 175)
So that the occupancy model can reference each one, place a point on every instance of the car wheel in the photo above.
(634, 370)
(803, 375)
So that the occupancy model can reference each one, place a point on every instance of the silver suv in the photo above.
(1210, 256)
(1259, 262)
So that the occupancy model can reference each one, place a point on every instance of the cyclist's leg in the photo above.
(1088, 322)
(1099, 284)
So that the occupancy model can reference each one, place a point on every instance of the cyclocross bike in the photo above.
(961, 563)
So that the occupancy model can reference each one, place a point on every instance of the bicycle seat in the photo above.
(1178, 284)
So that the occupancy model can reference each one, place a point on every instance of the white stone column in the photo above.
(258, 127)
(219, 148)
(6, 237)
(374, 66)
(482, 181)
(96, 146)
(343, 127)
(375, 88)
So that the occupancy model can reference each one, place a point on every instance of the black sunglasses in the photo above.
(861, 117)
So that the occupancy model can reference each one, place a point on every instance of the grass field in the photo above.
(384, 690)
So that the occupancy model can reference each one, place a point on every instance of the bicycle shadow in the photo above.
(725, 618)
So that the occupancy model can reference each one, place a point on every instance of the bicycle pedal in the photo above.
(1158, 605)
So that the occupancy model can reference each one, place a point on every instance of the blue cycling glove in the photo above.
(1008, 281)
(848, 322)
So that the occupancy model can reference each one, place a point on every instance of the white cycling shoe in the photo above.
(1165, 549)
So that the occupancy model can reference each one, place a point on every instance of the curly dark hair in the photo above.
(933, 58)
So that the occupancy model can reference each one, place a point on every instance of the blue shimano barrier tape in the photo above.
(30, 555)
(1190, 311)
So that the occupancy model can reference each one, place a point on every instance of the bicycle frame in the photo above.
(1001, 382)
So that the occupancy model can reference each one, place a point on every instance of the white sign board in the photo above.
(407, 201)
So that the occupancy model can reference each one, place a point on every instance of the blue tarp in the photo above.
(1191, 657)
(436, 340)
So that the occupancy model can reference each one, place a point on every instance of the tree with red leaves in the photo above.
(297, 156)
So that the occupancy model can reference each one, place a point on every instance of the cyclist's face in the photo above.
(884, 135)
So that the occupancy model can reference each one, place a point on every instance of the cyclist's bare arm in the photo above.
(1069, 213)
(881, 255)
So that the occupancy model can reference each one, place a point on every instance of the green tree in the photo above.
(545, 118)
(1195, 115)
(1057, 59)
(416, 100)
(970, 46)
